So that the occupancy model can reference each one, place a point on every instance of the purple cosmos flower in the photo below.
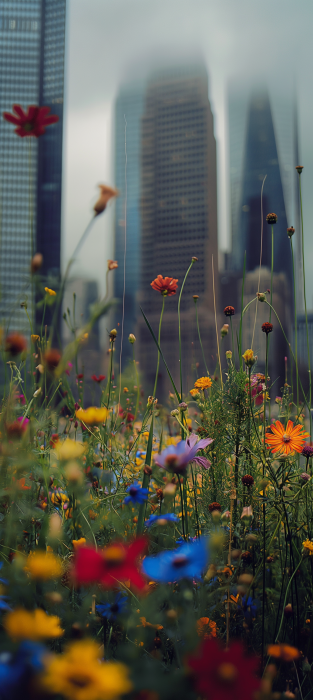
(176, 458)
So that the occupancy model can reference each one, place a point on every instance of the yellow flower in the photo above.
(203, 383)
(34, 625)
(249, 358)
(92, 415)
(308, 545)
(42, 566)
(78, 543)
(34, 338)
(51, 292)
(69, 449)
(194, 392)
(78, 675)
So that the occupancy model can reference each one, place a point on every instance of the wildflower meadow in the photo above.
(141, 562)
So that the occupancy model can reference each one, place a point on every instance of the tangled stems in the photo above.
(159, 340)
(179, 328)
(305, 308)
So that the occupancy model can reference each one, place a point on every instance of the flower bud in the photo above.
(290, 231)
(106, 193)
(112, 335)
(228, 354)
(112, 264)
(261, 296)
(183, 406)
(131, 339)
(36, 263)
(224, 330)
(175, 412)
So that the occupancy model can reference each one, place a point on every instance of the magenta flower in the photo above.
(176, 458)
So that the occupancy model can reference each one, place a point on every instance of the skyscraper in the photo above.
(263, 141)
(179, 217)
(32, 72)
(129, 109)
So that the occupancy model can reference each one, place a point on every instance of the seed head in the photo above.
(229, 311)
(271, 218)
(267, 327)
(299, 169)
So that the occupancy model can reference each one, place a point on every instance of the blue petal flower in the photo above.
(3, 603)
(111, 610)
(249, 607)
(136, 493)
(16, 671)
(188, 561)
(171, 517)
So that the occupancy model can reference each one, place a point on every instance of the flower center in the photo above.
(133, 491)
(286, 437)
(227, 672)
(28, 126)
(80, 681)
(171, 461)
(114, 555)
(180, 561)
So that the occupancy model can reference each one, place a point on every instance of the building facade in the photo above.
(129, 108)
(32, 42)
(179, 221)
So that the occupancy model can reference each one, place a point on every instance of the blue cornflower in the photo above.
(3, 580)
(136, 493)
(171, 517)
(4, 606)
(188, 561)
(112, 610)
(16, 670)
(249, 607)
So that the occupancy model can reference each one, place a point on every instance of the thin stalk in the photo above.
(159, 341)
(199, 336)
(263, 512)
(240, 331)
(305, 309)
(137, 382)
(272, 270)
(296, 330)
(179, 329)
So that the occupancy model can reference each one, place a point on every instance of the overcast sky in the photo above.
(112, 41)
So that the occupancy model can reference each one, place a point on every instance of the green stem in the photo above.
(137, 382)
(179, 330)
(272, 270)
(159, 341)
(286, 594)
(296, 330)
(199, 336)
(145, 480)
(305, 308)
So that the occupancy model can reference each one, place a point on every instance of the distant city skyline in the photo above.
(32, 72)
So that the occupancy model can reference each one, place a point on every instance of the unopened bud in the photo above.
(175, 412)
(261, 296)
(183, 406)
(131, 338)
(36, 263)
(290, 231)
(37, 392)
(113, 334)
(224, 330)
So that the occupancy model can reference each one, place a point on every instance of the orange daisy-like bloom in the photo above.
(167, 286)
(286, 440)
(283, 651)
(203, 383)
(206, 628)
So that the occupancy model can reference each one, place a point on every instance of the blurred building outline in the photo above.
(32, 43)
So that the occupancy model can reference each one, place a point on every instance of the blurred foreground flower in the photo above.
(17, 428)
(92, 415)
(167, 286)
(98, 379)
(106, 193)
(50, 292)
(286, 440)
(52, 358)
(206, 628)
(176, 458)
(15, 343)
(78, 674)
(30, 123)
(69, 449)
(283, 652)
(188, 561)
(111, 610)
(43, 566)
(36, 263)
(112, 264)
(33, 625)
(222, 674)
(162, 519)
(117, 562)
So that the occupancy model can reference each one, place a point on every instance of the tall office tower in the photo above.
(263, 141)
(179, 221)
(129, 109)
(32, 72)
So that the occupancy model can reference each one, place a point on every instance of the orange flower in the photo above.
(206, 628)
(167, 286)
(286, 440)
(112, 264)
(283, 651)
(106, 193)
(144, 623)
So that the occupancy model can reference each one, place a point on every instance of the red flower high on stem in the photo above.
(30, 123)
(222, 674)
(117, 562)
(98, 379)
(167, 286)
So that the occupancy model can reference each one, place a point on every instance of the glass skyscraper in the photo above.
(263, 141)
(32, 41)
(129, 110)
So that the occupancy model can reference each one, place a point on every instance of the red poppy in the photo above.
(117, 562)
(52, 358)
(15, 343)
(98, 379)
(167, 286)
(220, 674)
(31, 123)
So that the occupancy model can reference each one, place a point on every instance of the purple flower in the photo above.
(176, 458)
